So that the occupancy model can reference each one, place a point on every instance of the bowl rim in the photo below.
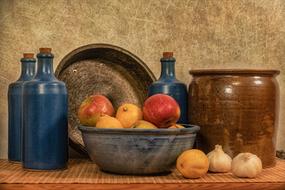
(192, 129)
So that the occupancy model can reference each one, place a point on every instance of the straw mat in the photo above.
(84, 171)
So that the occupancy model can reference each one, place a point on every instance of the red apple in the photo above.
(161, 110)
(92, 108)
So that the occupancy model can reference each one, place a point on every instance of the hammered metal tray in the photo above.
(101, 69)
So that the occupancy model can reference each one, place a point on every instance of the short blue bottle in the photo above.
(168, 84)
(45, 126)
(15, 106)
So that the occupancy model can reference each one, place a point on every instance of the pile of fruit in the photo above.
(159, 111)
(162, 111)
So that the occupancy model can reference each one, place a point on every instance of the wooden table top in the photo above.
(83, 174)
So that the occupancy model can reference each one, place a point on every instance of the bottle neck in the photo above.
(167, 69)
(27, 70)
(45, 68)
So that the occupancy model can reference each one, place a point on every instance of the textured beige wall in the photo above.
(202, 33)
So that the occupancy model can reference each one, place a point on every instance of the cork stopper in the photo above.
(28, 55)
(167, 54)
(45, 50)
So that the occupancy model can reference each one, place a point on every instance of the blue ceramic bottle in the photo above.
(15, 105)
(45, 118)
(168, 84)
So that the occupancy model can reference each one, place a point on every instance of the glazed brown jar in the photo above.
(237, 109)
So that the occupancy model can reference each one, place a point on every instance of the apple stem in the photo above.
(125, 109)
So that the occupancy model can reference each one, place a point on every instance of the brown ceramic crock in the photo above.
(237, 109)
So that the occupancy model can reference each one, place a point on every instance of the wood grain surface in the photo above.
(82, 171)
(200, 186)
(85, 175)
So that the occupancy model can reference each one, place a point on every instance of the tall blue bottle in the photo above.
(15, 105)
(45, 118)
(168, 84)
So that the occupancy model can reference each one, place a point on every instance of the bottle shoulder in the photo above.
(39, 86)
(16, 84)
(15, 88)
(168, 82)
(36, 82)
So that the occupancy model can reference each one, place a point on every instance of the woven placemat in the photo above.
(84, 171)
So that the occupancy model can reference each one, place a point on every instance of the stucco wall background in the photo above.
(202, 34)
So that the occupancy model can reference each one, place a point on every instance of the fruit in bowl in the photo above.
(147, 148)
(92, 108)
(141, 124)
(108, 122)
(134, 151)
(128, 114)
(161, 110)
(176, 126)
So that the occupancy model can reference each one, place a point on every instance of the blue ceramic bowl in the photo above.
(137, 151)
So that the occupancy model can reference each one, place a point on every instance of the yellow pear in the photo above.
(192, 163)
(128, 114)
(176, 126)
(108, 122)
(141, 124)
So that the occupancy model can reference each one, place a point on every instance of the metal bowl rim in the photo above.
(190, 130)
